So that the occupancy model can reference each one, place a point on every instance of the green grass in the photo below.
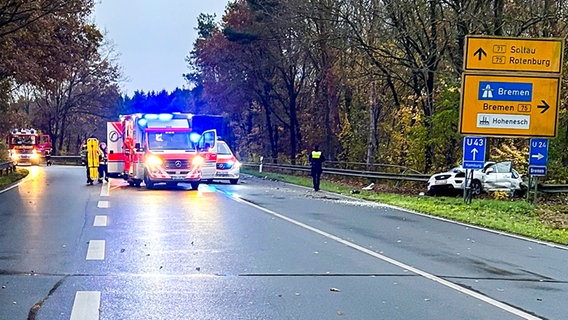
(516, 217)
(7, 179)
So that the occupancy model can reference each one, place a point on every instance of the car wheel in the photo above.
(149, 184)
(476, 187)
(233, 181)
(522, 191)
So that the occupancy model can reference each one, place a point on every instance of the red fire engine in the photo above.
(160, 148)
(28, 146)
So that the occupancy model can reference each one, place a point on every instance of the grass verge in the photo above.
(516, 217)
(6, 180)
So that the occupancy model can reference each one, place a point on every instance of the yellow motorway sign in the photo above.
(509, 105)
(543, 55)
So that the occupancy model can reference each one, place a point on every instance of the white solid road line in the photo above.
(397, 263)
(86, 305)
(100, 221)
(103, 204)
(96, 250)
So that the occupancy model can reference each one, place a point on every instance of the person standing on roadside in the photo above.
(316, 159)
(103, 159)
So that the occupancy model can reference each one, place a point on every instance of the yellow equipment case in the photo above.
(93, 158)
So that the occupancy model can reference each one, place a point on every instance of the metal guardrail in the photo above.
(7, 167)
(403, 176)
(68, 160)
(553, 188)
(416, 177)
(348, 172)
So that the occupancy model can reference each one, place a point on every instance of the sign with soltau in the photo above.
(543, 55)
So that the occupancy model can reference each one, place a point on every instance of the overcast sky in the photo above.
(153, 38)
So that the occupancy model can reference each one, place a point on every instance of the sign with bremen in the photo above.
(513, 54)
(509, 105)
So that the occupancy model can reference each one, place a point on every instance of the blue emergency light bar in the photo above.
(150, 116)
(153, 116)
(165, 116)
(194, 137)
(142, 122)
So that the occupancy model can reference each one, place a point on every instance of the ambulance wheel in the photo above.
(233, 181)
(149, 184)
(194, 185)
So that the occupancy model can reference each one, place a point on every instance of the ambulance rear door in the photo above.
(115, 149)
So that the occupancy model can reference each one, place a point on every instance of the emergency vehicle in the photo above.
(28, 146)
(160, 148)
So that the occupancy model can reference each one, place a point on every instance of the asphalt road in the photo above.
(256, 250)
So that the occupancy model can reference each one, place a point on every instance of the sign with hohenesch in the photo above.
(543, 55)
(509, 105)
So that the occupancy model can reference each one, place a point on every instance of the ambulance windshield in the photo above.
(170, 141)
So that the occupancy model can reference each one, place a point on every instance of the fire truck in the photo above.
(160, 148)
(28, 146)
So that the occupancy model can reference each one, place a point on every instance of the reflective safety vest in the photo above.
(316, 154)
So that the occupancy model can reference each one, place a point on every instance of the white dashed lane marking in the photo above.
(96, 250)
(105, 189)
(100, 221)
(86, 305)
(103, 204)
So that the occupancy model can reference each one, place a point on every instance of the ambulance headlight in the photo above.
(153, 161)
(35, 155)
(197, 161)
(15, 156)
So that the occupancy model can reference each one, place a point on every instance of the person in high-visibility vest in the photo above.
(317, 159)
(103, 162)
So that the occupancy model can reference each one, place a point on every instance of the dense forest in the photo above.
(369, 81)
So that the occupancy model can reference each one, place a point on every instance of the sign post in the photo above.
(473, 158)
(511, 86)
(538, 157)
(474, 152)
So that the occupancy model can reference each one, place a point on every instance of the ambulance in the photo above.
(162, 148)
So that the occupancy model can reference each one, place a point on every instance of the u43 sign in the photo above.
(474, 152)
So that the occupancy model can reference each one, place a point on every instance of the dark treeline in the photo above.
(370, 81)
(57, 73)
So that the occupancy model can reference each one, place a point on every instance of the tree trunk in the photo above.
(374, 112)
